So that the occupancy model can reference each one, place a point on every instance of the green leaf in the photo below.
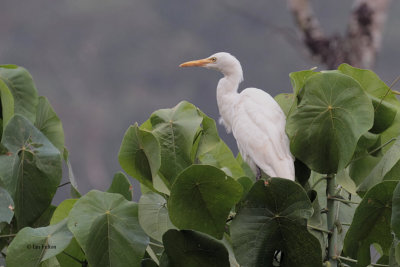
(148, 263)
(153, 215)
(273, 218)
(360, 168)
(317, 220)
(164, 260)
(52, 262)
(192, 249)
(44, 219)
(34, 169)
(62, 211)
(49, 123)
(19, 82)
(121, 185)
(175, 128)
(331, 117)
(6, 206)
(32, 246)
(385, 103)
(384, 116)
(396, 211)
(201, 199)
(228, 245)
(371, 223)
(287, 102)
(345, 217)
(397, 254)
(73, 250)
(7, 104)
(106, 226)
(343, 179)
(246, 183)
(298, 79)
(71, 177)
(213, 151)
(378, 89)
(140, 155)
(394, 254)
(380, 172)
(246, 168)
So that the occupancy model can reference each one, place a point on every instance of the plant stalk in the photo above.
(332, 238)
(318, 229)
(355, 261)
(343, 200)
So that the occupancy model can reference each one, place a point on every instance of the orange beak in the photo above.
(196, 63)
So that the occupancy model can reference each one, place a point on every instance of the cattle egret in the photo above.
(253, 116)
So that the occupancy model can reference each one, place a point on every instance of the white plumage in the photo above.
(253, 116)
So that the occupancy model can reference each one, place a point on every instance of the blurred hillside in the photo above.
(107, 64)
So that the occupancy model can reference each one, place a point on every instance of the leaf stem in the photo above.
(389, 90)
(376, 149)
(318, 181)
(10, 235)
(61, 185)
(355, 261)
(318, 229)
(156, 245)
(72, 257)
(343, 200)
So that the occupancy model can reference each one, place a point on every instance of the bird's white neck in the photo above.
(227, 94)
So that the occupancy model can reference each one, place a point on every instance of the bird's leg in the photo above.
(259, 174)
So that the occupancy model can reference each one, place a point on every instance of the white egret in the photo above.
(253, 116)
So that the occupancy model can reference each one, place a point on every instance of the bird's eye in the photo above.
(213, 59)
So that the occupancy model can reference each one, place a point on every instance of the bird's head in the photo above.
(222, 61)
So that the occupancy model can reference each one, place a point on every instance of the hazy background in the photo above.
(106, 64)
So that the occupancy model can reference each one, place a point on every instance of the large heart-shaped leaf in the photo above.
(49, 123)
(6, 206)
(201, 199)
(175, 128)
(273, 218)
(331, 117)
(213, 151)
(153, 215)
(371, 223)
(106, 226)
(192, 249)
(32, 246)
(140, 155)
(19, 82)
(34, 169)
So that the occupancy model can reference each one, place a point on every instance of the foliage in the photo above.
(201, 205)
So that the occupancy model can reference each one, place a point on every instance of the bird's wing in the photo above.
(259, 127)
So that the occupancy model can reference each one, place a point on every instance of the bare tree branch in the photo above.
(357, 47)
(365, 31)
